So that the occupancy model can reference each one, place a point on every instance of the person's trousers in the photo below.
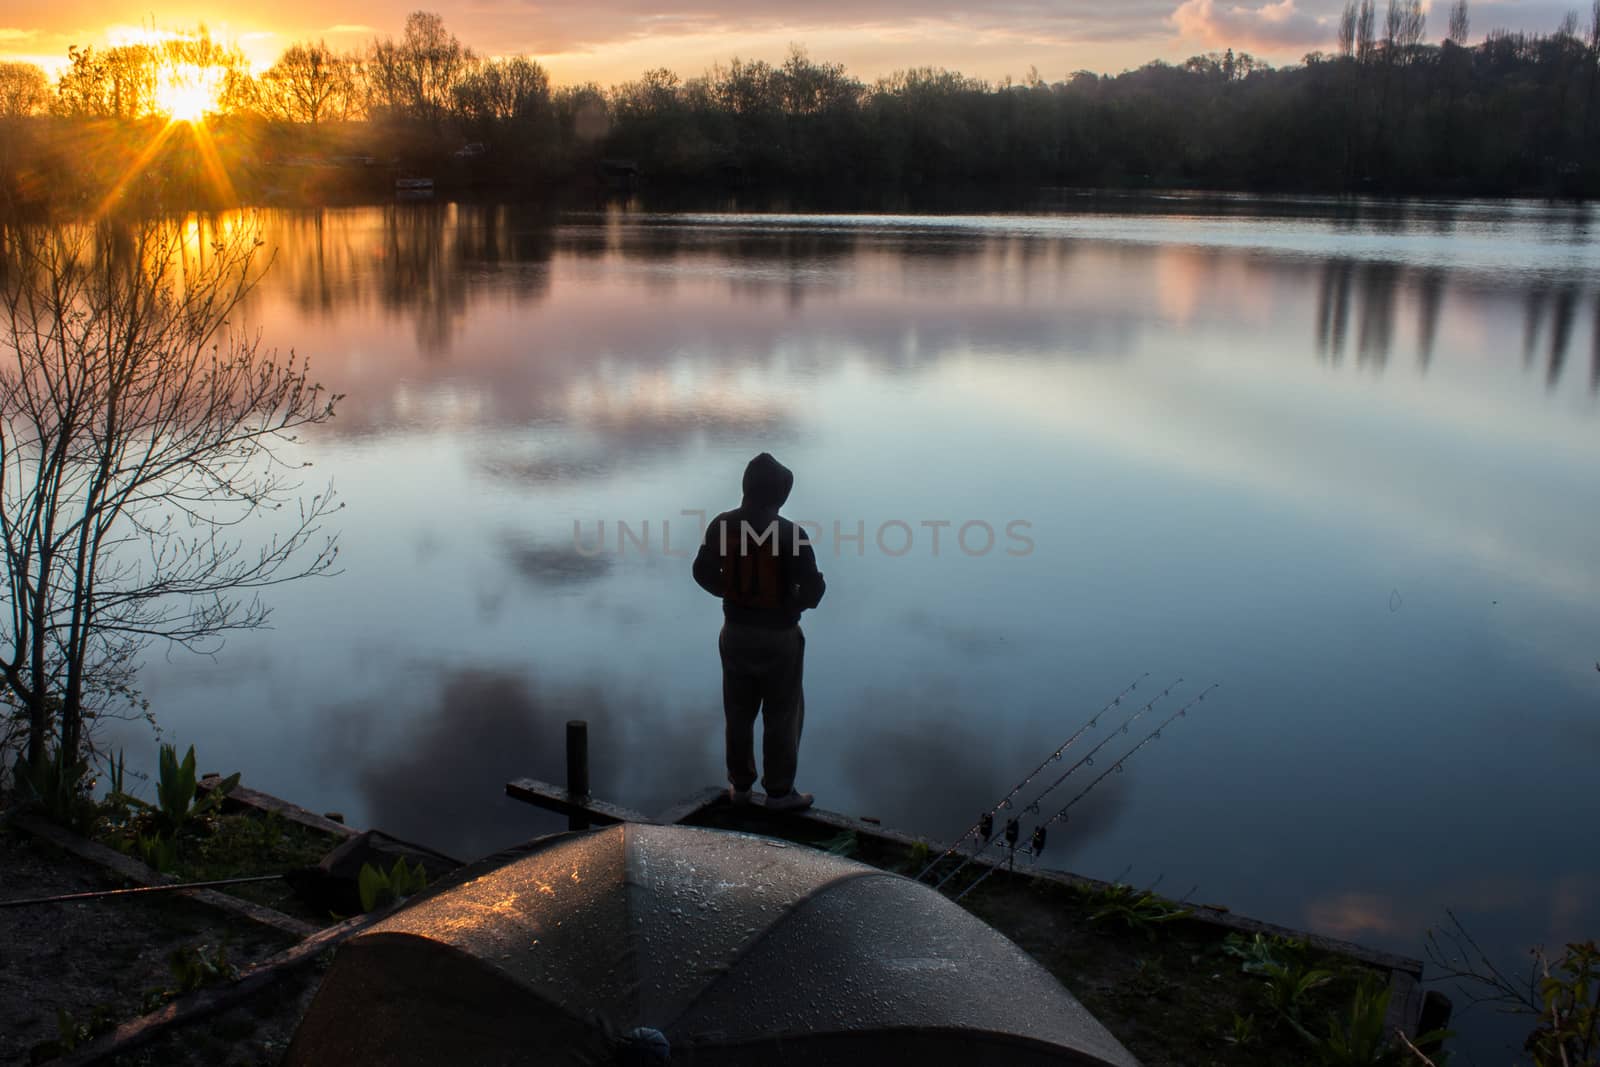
(761, 671)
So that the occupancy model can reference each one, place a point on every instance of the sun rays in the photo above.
(185, 131)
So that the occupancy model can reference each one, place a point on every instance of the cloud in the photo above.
(11, 33)
(350, 27)
(566, 27)
(1266, 28)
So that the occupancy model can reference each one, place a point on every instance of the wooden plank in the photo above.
(554, 798)
(141, 874)
(691, 805)
(192, 1006)
(241, 796)
(1405, 1004)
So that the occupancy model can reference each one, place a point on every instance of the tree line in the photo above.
(1385, 110)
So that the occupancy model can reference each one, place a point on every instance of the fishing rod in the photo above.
(103, 894)
(1087, 759)
(985, 824)
(1036, 842)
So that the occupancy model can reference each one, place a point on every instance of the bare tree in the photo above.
(1366, 27)
(139, 428)
(1347, 30)
(1461, 24)
(1403, 26)
(309, 83)
(417, 75)
(502, 89)
(24, 90)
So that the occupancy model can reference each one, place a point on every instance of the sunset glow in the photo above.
(609, 43)
(187, 93)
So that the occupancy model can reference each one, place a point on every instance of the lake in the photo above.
(1339, 458)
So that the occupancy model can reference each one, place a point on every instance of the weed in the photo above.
(193, 969)
(1262, 954)
(60, 790)
(175, 791)
(379, 889)
(1289, 985)
(1137, 909)
(843, 843)
(158, 852)
(1569, 1020)
(1245, 1034)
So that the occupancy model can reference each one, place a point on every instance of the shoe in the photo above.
(790, 801)
(739, 797)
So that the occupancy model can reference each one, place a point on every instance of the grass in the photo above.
(220, 845)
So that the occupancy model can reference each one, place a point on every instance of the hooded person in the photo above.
(764, 569)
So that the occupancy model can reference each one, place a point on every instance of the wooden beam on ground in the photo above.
(1200, 912)
(191, 1006)
(241, 797)
(691, 805)
(143, 874)
(554, 798)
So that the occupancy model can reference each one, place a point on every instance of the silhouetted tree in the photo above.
(311, 83)
(24, 90)
(137, 430)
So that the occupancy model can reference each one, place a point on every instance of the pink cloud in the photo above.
(1269, 27)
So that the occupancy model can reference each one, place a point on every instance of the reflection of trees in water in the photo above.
(1378, 283)
(1594, 351)
(428, 262)
(1533, 304)
(415, 275)
(422, 261)
(1566, 311)
(1430, 298)
(1560, 306)
(1333, 308)
(1377, 288)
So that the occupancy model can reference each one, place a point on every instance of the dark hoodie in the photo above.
(759, 563)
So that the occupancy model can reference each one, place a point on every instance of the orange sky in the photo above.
(614, 40)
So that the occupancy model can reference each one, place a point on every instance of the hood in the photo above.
(766, 483)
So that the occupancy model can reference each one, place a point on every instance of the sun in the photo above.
(183, 103)
(186, 93)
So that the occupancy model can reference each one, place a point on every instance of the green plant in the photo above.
(158, 851)
(843, 843)
(1261, 953)
(1288, 985)
(1359, 1039)
(1568, 1033)
(379, 889)
(175, 791)
(117, 772)
(1137, 909)
(57, 787)
(1245, 1034)
(72, 1032)
(193, 969)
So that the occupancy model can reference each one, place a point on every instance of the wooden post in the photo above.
(577, 769)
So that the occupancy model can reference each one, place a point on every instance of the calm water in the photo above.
(1342, 462)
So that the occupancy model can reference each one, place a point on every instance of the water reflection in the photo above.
(1236, 433)
(438, 268)
(441, 779)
